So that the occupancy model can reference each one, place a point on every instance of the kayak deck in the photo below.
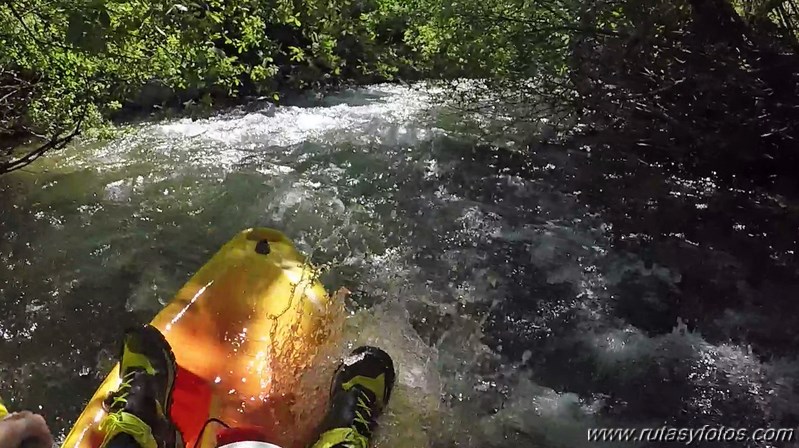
(243, 329)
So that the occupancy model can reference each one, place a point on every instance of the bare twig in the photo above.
(56, 142)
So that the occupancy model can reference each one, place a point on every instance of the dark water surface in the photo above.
(525, 300)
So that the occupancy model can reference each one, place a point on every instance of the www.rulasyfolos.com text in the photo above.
(688, 436)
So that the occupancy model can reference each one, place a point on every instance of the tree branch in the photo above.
(31, 34)
(55, 143)
(535, 27)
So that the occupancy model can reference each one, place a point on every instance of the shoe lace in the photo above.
(123, 424)
(363, 412)
(119, 398)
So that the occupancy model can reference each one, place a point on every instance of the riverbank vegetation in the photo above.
(704, 85)
(68, 65)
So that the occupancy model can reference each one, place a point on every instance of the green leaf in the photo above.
(215, 17)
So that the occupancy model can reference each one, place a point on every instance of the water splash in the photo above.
(518, 312)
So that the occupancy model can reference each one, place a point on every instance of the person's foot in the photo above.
(139, 408)
(360, 391)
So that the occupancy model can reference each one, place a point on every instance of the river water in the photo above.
(525, 299)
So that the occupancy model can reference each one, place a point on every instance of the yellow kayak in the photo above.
(243, 329)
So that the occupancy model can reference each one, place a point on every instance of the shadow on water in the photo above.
(531, 296)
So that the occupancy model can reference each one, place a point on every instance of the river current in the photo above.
(525, 298)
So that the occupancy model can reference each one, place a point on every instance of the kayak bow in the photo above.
(243, 329)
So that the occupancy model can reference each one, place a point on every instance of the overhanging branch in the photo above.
(56, 142)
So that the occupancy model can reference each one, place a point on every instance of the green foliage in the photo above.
(97, 58)
(521, 52)
(70, 61)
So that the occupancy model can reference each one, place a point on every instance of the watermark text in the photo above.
(688, 436)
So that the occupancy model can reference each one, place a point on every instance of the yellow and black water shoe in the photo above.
(360, 391)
